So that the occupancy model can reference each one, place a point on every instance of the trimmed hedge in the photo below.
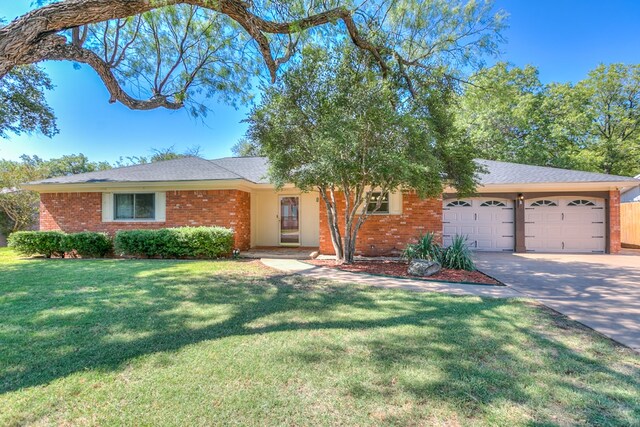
(47, 243)
(88, 244)
(56, 243)
(182, 242)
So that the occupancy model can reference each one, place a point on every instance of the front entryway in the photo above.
(290, 220)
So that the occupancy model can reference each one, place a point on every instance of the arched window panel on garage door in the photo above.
(581, 202)
(543, 203)
(493, 203)
(459, 203)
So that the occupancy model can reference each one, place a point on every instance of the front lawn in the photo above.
(229, 342)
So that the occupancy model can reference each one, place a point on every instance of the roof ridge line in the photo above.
(212, 161)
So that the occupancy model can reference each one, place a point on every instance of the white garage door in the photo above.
(567, 224)
(487, 223)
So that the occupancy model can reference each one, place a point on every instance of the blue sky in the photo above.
(563, 38)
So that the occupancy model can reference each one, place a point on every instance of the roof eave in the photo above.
(81, 187)
(567, 187)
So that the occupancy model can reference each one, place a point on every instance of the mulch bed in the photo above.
(399, 269)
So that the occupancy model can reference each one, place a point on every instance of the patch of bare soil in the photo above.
(399, 269)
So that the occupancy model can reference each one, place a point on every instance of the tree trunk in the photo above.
(332, 220)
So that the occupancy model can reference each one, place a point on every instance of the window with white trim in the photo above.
(134, 206)
(373, 202)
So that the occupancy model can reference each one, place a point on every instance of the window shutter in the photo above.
(161, 206)
(107, 207)
(395, 203)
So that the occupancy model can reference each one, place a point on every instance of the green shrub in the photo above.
(190, 242)
(458, 255)
(47, 243)
(426, 248)
(88, 244)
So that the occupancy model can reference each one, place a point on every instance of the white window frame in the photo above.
(379, 211)
(108, 206)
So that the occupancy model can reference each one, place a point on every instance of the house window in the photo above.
(541, 203)
(496, 203)
(134, 206)
(373, 202)
(459, 203)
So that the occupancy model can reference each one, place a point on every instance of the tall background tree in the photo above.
(602, 118)
(19, 208)
(510, 115)
(334, 126)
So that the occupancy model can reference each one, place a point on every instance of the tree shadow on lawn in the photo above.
(101, 314)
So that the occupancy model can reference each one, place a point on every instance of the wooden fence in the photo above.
(630, 224)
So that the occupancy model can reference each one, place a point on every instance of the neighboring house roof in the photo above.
(254, 170)
(631, 194)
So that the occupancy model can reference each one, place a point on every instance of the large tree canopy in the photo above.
(332, 125)
(172, 53)
(510, 115)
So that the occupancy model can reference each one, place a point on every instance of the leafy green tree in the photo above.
(246, 148)
(508, 115)
(602, 117)
(158, 155)
(23, 107)
(334, 126)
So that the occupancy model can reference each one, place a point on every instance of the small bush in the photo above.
(88, 244)
(47, 243)
(189, 242)
(458, 255)
(426, 248)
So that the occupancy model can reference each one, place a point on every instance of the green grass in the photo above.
(113, 342)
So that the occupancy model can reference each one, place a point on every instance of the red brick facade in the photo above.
(74, 212)
(389, 234)
(614, 222)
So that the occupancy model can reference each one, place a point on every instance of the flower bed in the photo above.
(399, 269)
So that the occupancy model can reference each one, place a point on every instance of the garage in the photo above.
(488, 223)
(565, 224)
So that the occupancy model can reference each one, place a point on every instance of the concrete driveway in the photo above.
(600, 291)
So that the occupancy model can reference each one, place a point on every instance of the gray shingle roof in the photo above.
(183, 169)
(515, 173)
(254, 169)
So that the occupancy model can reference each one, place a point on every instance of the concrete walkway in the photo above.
(297, 267)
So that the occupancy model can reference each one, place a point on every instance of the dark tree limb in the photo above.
(26, 33)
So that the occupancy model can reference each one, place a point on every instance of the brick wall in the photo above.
(74, 212)
(614, 221)
(388, 234)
